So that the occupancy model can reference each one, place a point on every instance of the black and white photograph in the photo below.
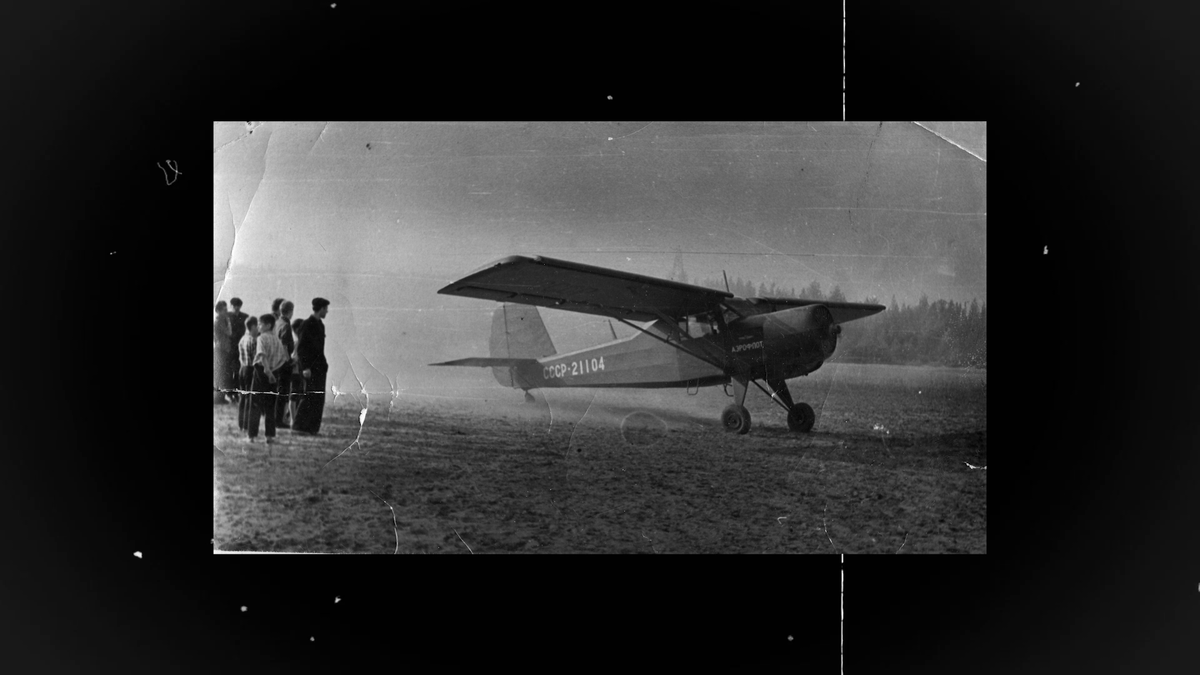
(455, 311)
(600, 337)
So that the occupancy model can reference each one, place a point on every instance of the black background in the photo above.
(1091, 565)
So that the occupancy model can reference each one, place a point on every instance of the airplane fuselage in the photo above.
(771, 345)
(687, 336)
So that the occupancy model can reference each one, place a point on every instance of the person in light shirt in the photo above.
(270, 363)
(247, 347)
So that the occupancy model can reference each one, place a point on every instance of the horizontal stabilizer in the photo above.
(487, 362)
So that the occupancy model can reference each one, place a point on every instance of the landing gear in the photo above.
(529, 397)
(736, 418)
(801, 417)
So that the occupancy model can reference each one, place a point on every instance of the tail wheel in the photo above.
(801, 417)
(736, 418)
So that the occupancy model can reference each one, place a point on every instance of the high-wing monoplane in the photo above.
(687, 336)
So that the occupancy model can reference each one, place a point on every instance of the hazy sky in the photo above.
(388, 213)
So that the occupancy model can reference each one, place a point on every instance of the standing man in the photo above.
(222, 335)
(270, 363)
(237, 322)
(311, 353)
(289, 346)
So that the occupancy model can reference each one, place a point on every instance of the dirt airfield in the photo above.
(887, 469)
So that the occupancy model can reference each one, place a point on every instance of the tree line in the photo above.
(746, 289)
(942, 332)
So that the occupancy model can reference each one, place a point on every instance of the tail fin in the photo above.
(517, 332)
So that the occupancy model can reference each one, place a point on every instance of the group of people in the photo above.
(273, 367)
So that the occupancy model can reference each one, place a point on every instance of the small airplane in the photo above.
(690, 336)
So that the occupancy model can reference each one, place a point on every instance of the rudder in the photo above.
(517, 332)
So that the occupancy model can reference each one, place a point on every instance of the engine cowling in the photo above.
(798, 340)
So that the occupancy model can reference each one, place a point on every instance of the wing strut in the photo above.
(774, 397)
(676, 345)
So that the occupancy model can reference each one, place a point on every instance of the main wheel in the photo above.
(736, 418)
(801, 417)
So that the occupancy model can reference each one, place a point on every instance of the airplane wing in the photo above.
(842, 311)
(560, 284)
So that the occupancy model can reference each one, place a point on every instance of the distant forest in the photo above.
(942, 333)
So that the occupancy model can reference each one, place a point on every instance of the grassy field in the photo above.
(476, 470)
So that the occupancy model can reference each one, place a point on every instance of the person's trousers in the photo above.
(234, 361)
(246, 382)
(262, 403)
(295, 395)
(282, 401)
(312, 403)
(220, 375)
